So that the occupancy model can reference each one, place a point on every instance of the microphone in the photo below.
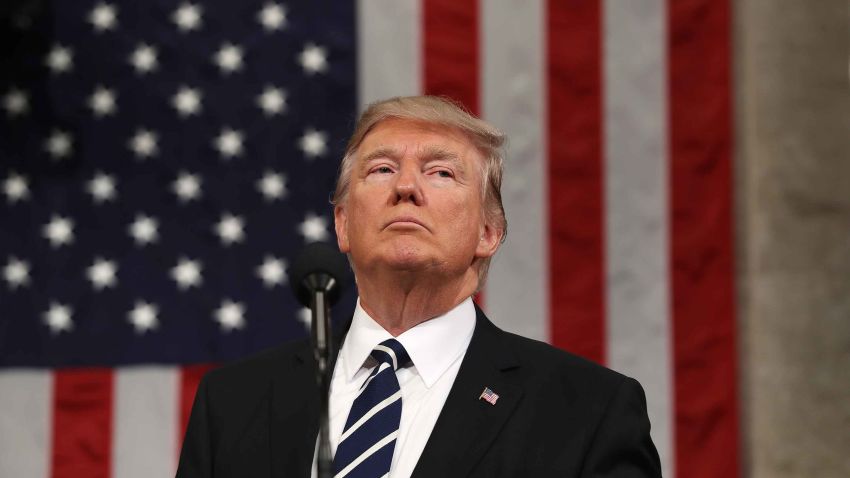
(317, 276)
(319, 266)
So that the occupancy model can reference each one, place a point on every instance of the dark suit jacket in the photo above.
(556, 415)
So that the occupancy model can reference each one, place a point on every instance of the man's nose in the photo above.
(408, 187)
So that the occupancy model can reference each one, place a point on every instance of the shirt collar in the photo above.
(432, 345)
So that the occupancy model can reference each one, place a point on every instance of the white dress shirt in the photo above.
(436, 348)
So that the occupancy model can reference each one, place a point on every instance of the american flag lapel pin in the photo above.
(489, 396)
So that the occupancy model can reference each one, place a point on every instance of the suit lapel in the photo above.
(468, 424)
(294, 415)
(294, 411)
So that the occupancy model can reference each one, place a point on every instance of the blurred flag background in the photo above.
(162, 162)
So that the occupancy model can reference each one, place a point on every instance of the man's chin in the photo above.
(405, 260)
(407, 264)
(398, 256)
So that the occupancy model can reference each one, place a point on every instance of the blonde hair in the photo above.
(444, 112)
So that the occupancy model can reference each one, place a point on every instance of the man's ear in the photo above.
(341, 227)
(489, 241)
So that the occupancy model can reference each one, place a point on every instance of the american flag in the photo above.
(161, 163)
(489, 396)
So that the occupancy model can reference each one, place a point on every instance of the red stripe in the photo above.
(451, 50)
(574, 131)
(706, 412)
(451, 56)
(82, 423)
(190, 377)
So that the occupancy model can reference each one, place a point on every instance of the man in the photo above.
(424, 384)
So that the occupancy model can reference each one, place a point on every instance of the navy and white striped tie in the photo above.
(366, 446)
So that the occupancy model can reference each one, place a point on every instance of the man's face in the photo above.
(414, 201)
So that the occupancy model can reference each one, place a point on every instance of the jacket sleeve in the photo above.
(621, 446)
(196, 455)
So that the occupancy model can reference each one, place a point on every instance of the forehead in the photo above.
(398, 134)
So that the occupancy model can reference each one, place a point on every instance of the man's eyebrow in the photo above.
(435, 153)
(431, 153)
(391, 153)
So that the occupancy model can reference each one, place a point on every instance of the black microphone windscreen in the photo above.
(318, 258)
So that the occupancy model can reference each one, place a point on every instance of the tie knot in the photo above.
(392, 352)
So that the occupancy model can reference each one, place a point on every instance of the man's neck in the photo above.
(400, 301)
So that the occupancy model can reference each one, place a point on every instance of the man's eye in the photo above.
(382, 170)
(443, 173)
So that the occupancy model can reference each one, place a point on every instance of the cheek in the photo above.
(354, 221)
(359, 220)
(465, 222)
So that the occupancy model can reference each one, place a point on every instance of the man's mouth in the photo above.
(406, 222)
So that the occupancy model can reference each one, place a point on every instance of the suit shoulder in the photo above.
(546, 360)
(248, 372)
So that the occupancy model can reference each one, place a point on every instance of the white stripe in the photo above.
(389, 351)
(377, 408)
(638, 294)
(513, 90)
(145, 422)
(389, 47)
(366, 454)
(26, 398)
(381, 367)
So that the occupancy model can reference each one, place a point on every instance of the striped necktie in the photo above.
(366, 446)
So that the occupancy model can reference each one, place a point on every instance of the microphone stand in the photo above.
(321, 284)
